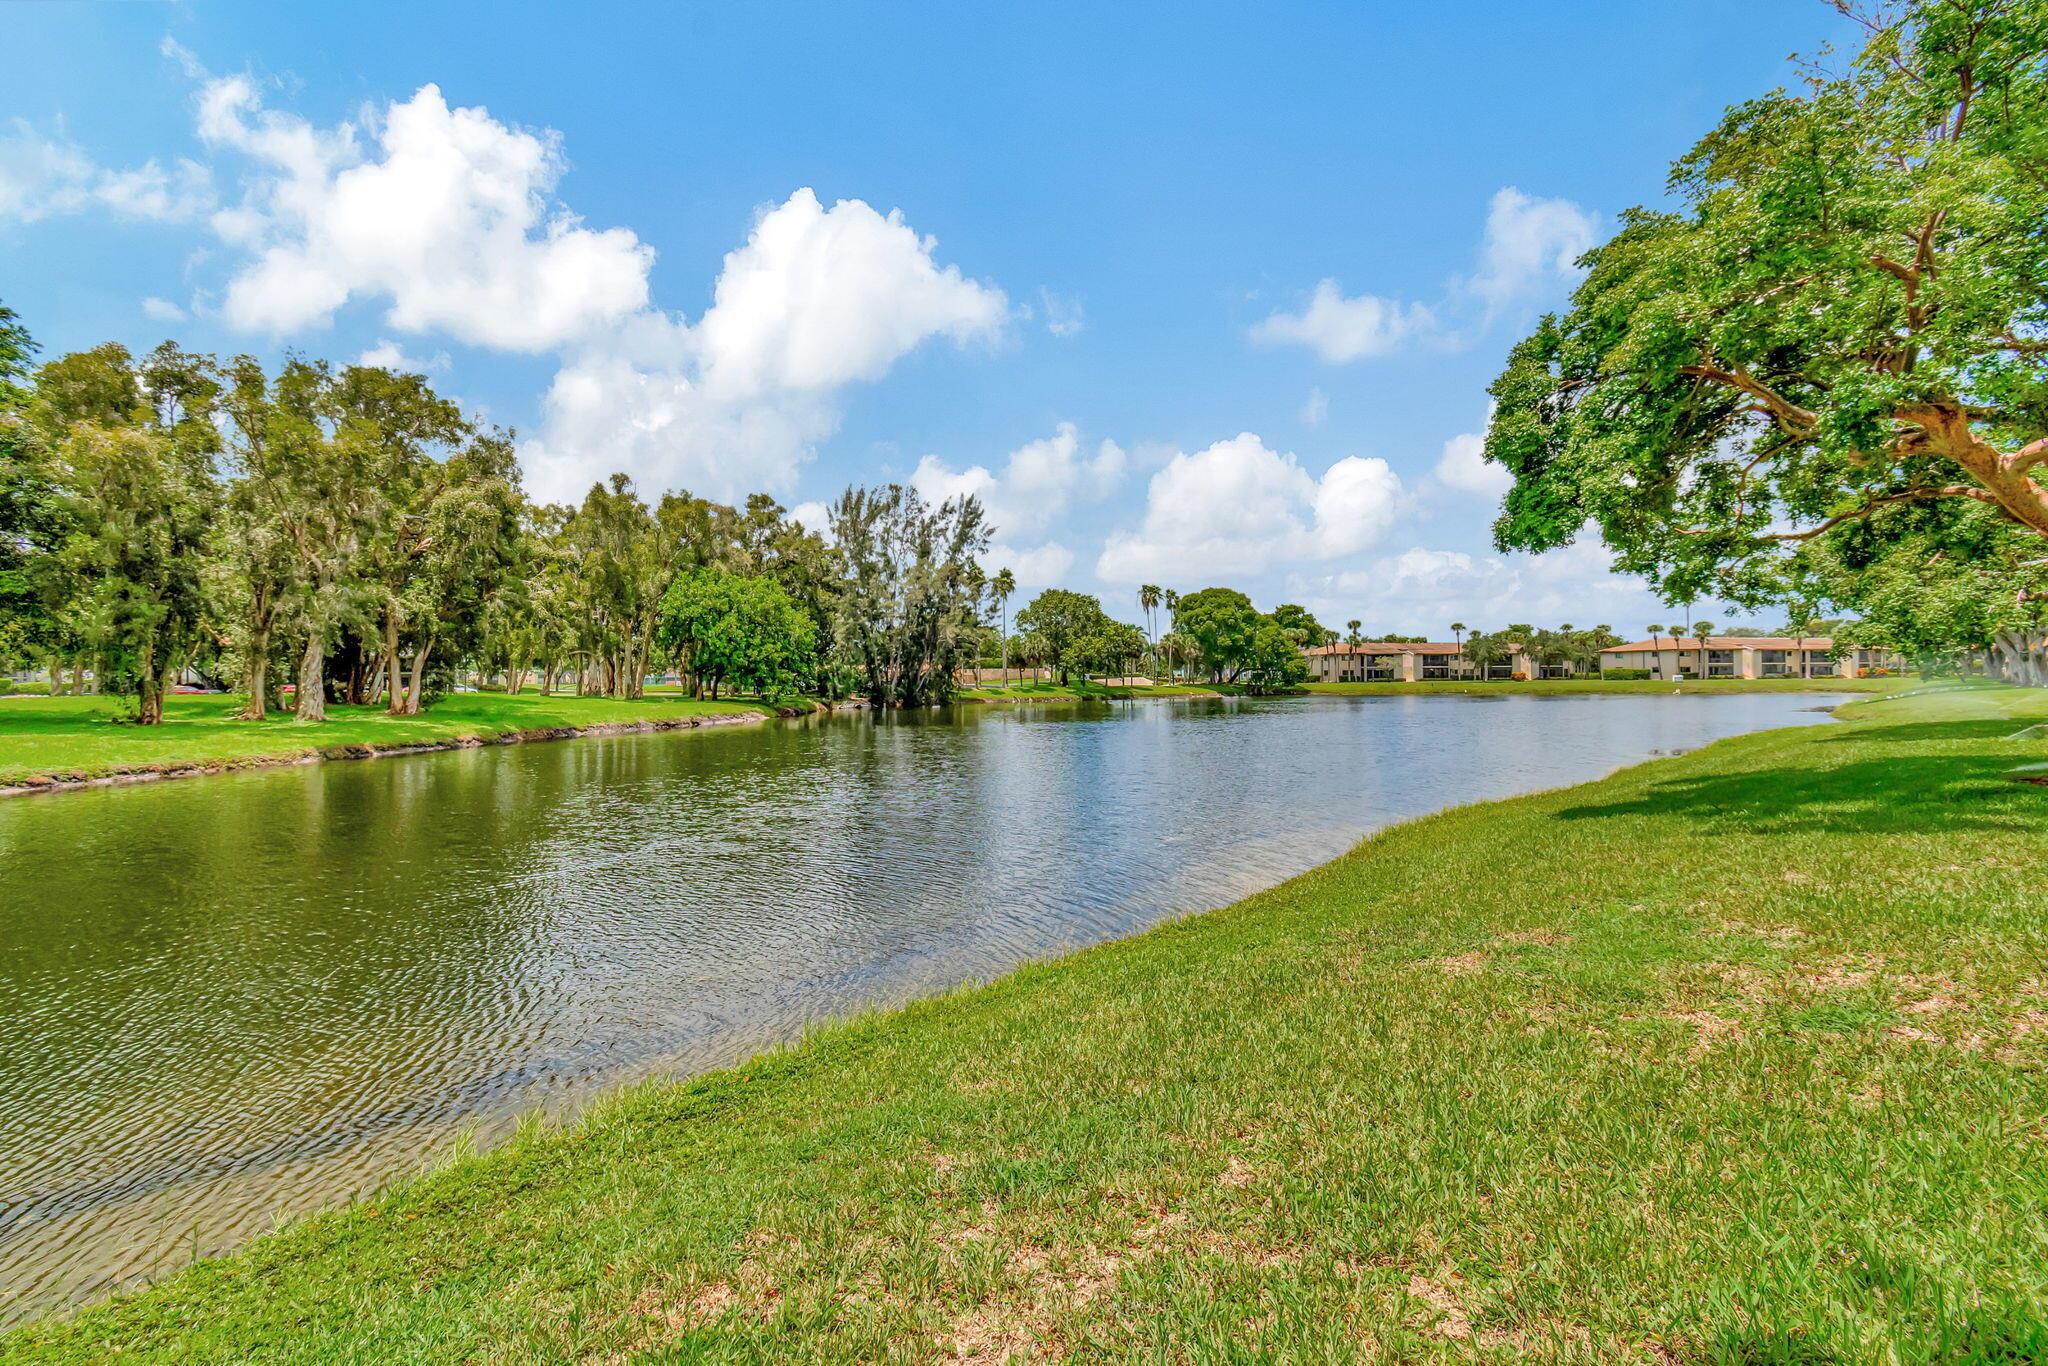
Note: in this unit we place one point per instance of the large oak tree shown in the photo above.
(1844, 313)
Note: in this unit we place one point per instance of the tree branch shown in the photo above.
(1793, 418)
(1918, 495)
(2026, 457)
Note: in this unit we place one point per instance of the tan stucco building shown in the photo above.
(1743, 657)
(1407, 661)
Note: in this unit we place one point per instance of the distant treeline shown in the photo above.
(347, 534)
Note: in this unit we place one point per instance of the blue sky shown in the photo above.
(1071, 258)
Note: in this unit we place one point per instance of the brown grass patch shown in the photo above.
(1708, 1028)
(1451, 1320)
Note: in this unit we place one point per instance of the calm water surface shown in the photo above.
(234, 999)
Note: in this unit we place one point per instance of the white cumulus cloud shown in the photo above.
(1039, 481)
(1238, 507)
(389, 355)
(1531, 247)
(818, 298)
(1341, 328)
(162, 310)
(43, 177)
(1528, 250)
(815, 300)
(448, 218)
(813, 517)
(1043, 566)
(445, 215)
(1422, 590)
(1463, 467)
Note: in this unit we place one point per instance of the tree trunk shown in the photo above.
(396, 706)
(313, 679)
(257, 682)
(78, 688)
(416, 689)
(150, 708)
(547, 680)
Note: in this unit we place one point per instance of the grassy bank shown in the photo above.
(87, 737)
(1740, 1056)
(1573, 687)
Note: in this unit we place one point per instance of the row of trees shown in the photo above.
(347, 534)
(1216, 633)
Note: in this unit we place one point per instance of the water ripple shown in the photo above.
(229, 1001)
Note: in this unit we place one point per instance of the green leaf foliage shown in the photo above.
(1844, 313)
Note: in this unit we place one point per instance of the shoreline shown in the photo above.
(434, 1189)
(58, 782)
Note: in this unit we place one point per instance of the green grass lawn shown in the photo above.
(1567, 687)
(1740, 1056)
(89, 737)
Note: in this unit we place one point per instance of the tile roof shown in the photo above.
(1391, 647)
(1725, 643)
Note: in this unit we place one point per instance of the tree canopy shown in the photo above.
(1844, 315)
(737, 629)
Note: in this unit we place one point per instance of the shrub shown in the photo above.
(32, 688)
(1626, 675)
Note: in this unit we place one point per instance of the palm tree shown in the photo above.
(1458, 630)
(1813, 626)
(1001, 588)
(1148, 603)
(1701, 630)
(1485, 651)
(1171, 601)
(1656, 630)
(1353, 627)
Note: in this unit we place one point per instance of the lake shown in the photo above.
(233, 999)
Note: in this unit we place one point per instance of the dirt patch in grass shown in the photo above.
(1708, 1028)
(1449, 1317)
